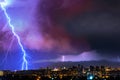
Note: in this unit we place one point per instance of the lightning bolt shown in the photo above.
(63, 58)
(25, 62)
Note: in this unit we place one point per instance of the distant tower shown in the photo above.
(63, 58)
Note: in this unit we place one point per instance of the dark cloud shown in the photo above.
(97, 21)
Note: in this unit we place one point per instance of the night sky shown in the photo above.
(49, 29)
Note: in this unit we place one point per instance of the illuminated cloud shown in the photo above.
(85, 56)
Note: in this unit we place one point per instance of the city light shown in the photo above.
(91, 77)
